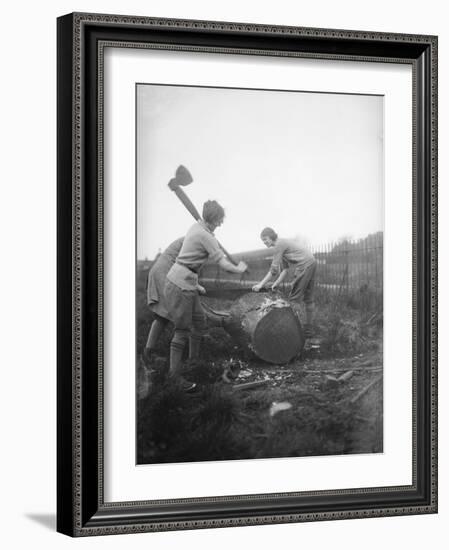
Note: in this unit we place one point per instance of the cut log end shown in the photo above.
(268, 326)
(278, 336)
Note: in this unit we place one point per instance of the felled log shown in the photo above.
(219, 283)
(266, 325)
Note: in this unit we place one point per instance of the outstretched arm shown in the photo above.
(263, 282)
(279, 280)
(227, 266)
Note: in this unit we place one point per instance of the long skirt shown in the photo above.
(185, 308)
(155, 286)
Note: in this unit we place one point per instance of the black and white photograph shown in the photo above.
(247, 275)
(259, 273)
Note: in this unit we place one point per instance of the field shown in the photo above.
(326, 401)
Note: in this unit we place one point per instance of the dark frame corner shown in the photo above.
(80, 507)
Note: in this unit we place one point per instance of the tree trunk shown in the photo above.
(267, 325)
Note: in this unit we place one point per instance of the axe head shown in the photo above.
(182, 178)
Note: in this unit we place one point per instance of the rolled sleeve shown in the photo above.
(212, 248)
(277, 265)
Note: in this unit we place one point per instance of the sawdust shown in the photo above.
(270, 303)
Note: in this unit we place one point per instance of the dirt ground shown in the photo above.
(340, 399)
(327, 401)
(249, 409)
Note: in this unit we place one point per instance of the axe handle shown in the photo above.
(191, 208)
(187, 202)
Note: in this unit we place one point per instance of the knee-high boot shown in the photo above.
(176, 351)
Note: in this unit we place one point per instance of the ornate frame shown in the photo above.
(81, 507)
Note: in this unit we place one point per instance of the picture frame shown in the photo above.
(81, 506)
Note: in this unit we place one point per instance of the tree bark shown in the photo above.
(266, 324)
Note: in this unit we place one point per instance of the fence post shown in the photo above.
(347, 268)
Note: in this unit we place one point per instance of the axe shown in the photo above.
(181, 179)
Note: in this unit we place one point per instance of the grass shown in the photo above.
(179, 427)
(349, 324)
(218, 423)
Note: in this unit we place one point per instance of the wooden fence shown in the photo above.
(351, 265)
(347, 269)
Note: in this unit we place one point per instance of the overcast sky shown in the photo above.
(310, 165)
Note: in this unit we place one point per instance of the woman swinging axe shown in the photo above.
(182, 291)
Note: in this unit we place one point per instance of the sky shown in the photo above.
(308, 164)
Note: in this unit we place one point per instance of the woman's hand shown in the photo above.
(201, 289)
(256, 288)
(242, 267)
